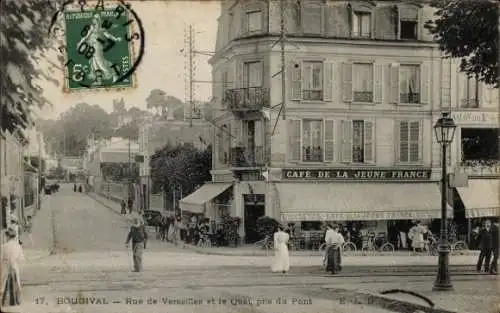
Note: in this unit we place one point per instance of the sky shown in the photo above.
(163, 64)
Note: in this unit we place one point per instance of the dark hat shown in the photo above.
(11, 233)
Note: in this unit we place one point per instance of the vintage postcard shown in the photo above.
(251, 156)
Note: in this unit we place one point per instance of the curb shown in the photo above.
(107, 206)
(385, 302)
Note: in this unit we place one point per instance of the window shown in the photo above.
(363, 82)
(312, 81)
(470, 97)
(357, 141)
(254, 21)
(224, 138)
(408, 29)
(361, 24)
(312, 140)
(252, 75)
(409, 84)
(224, 82)
(311, 18)
(409, 141)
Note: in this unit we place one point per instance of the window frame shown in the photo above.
(357, 15)
(469, 102)
(418, 81)
(248, 13)
(322, 139)
(364, 141)
(418, 20)
(246, 73)
(311, 80)
(409, 142)
(371, 64)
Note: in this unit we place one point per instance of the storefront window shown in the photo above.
(480, 145)
(311, 225)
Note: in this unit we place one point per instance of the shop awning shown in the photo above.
(359, 201)
(195, 202)
(481, 198)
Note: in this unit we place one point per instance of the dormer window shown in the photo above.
(361, 20)
(361, 24)
(254, 21)
(408, 22)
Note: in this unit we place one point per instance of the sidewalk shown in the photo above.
(112, 205)
(42, 233)
(467, 296)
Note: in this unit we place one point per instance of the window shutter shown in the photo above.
(259, 136)
(403, 141)
(394, 83)
(346, 137)
(378, 82)
(295, 83)
(369, 138)
(347, 82)
(485, 95)
(294, 140)
(414, 139)
(424, 82)
(329, 145)
(236, 132)
(240, 70)
(327, 81)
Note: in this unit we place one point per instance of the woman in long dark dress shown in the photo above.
(12, 257)
(334, 241)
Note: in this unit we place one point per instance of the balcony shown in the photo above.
(244, 100)
(244, 157)
(409, 98)
(480, 168)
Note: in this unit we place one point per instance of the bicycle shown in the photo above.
(347, 246)
(204, 241)
(266, 243)
(372, 246)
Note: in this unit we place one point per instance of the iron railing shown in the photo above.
(245, 157)
(246, 99)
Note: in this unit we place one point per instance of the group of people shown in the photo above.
(77, 188)
(332, 259)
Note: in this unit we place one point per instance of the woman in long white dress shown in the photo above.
(12, 256)
(281, 256)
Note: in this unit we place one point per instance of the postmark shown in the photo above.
(103, 45)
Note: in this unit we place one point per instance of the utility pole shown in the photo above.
(191, 76)
(283, 66)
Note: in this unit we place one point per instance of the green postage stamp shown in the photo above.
(99, 48)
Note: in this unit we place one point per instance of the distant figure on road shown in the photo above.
(416, 235)
(124, 207)
(74, 187)
(494, 263)
(281, 256)
(28, 227)
(80, 188)
(139, 238)
(12, 256)
(130, 204)
(334, 241)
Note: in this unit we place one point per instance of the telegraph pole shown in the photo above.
(283, 66)
(39, 198)
(189, 53)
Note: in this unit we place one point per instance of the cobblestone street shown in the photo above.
(90, 260)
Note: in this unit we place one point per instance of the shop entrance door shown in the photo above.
(254, 209)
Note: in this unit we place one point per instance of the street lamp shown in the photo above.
(444, 131)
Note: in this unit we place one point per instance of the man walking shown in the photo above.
(139, 237)
(130, 204)
(495, 248)
(486, 246)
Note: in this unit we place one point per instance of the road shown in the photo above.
(91, 261)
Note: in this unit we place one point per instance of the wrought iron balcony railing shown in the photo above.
(409, 98)
(246, 99)
(246, 157)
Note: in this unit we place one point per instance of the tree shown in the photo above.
(468, 29)
(24, 41)
(180, 166)
(157, 100)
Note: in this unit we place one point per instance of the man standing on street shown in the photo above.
(495, 248)
(486, 246)
(139, 238)
(130, 204)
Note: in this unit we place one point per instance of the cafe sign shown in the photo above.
(475, 117)
(357, 174)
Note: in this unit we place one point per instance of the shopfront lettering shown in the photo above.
(354, 174)
(475, 117)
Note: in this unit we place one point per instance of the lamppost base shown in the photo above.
(442, 287)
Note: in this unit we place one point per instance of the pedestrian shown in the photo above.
(80, 188)
(334, 241)
(14, 224)
(139, 238)
(486, 246)
(12, 256)
(281, 256)
(416, 235)
(495, 247)
(74, 187)
(28, 228)
(124, 207)
(130, 204)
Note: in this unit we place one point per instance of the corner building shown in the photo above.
(363, 90)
